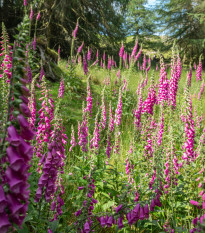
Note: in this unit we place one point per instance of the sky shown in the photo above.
(151, 2)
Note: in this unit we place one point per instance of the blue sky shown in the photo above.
(151, 2)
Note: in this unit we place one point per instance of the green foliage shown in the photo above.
(184, 21)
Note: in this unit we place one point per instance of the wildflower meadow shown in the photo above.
(116, 144)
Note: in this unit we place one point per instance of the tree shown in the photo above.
(183, 20)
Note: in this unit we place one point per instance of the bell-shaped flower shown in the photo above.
(25, 110)
(3, 201)
(25, 91)
(14, 181)
(16, 161)
(110, 221)
(146, 211)
(4, 223)
(22, 121)
(157, 201)
(86, 227)
(25, 150)
(141, 216)
(120, 223)
(102, 221)
(117, 209)
(137, 208)
(14, 205)
(14, 138)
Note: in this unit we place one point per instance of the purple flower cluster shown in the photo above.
(83, 134)
(72, 142)
(129, 167)
(178, 67)
(38, 16)
(103, 113)
(111, 120)
(149, 103)
(32, 106)
(199, 71)
(139, 212)
(109, 65)
(138, 55)
(89, 54)
(189, 76)
(46, 116)
(109, 147)
(87, 208)
(138, 112)
(61, 89)
(94, 142)
(200, 204)
(31, 13)
(161, 130)
(167, 227)
(53, 164)
(14, 187)
(121, 51)
(144, 63)
(85, 66)
(75, 31)
(134, 50)
(188, 146)
(124, 85)
(163, 84)
(89, 100)
(80, 48)
(173, 87)
(118, 111)
(6, 52)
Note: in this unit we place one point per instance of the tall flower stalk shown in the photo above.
(16, 151)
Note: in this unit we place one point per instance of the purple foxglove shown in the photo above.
(141, 214)
(14, 138)
(16, 161)
(80, 48)
(157, 201)
(118, 111)
(102, 221)
(86, 227)
(146, 211)
(3, 201)
(117, 209)
(85, 66)
(110, 221)
(77, 213)
(152, 205)
(196, 203)
(31, 13)
(120, 223)
(4, 223)
(38, 16)
(25, 110)
(75, 31)
(15, 182)
(137, 208)
(134, 50)
(121, 51)
(14, 205)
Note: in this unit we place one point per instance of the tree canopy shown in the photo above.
(105, 23)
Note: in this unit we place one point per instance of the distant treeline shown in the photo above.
(106, 23)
